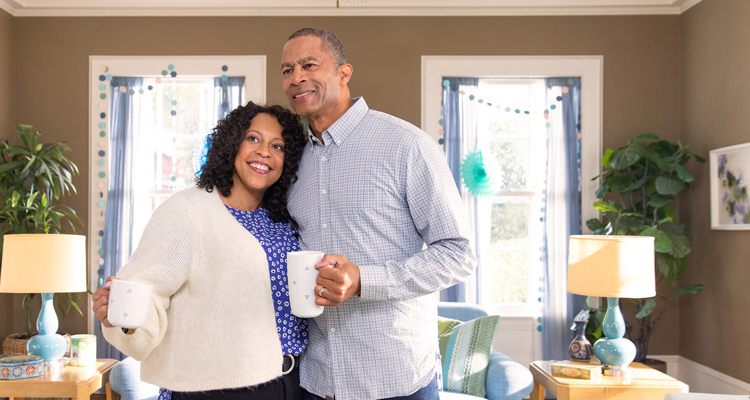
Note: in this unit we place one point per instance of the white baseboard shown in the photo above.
(700, 378)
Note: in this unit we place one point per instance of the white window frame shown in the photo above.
(253, 68)
(521, 340)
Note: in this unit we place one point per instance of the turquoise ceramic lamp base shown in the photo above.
(614, 351)
(47, 344)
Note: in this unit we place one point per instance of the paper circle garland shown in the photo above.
(479, 176)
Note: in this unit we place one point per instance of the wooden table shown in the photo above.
(75, 382)
(646, 384)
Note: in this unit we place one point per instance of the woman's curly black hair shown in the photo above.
(225, 141)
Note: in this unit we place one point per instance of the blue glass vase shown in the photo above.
(580, 349)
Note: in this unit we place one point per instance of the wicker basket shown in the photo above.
(15, 344)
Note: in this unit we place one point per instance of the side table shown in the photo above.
(646, 384)
(77, 383)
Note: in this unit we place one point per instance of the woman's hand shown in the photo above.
(101, 302)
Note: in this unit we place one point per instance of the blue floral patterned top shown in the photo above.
(277, 239)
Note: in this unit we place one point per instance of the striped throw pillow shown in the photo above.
(465, 348)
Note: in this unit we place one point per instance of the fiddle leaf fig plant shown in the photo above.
(640, 182)
(32, 175)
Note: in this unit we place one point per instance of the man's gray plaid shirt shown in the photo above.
(376, 192)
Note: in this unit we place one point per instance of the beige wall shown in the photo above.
(641, 64)
(716, 86)
(6, 131)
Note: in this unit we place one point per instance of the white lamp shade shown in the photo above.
(43, 263)
(611, 266)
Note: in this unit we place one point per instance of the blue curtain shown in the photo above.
(456, 142)
(227, 94)
(559, 306)
(117, 234)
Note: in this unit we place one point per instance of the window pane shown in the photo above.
(512, 157)
(510, 223)
(182, 104)
(176, 162)
(508, 277)
(509, 118)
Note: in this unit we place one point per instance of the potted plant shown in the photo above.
(640, 181)
(32, 176)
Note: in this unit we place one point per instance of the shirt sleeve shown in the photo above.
(436, 209)
(163, 259)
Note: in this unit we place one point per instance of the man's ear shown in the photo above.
(345, 73)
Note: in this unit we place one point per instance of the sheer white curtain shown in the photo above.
(555, 329)
(563, 214)
(460, 137)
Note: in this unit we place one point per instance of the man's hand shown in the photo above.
(338, 283)
(101, 302)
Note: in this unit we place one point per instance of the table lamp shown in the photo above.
(46, 264)
(612, 267)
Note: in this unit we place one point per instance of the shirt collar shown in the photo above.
(344, 126)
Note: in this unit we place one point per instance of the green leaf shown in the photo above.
(660, 200)
(594, 224)
(692, 289)
(626, 156)
(603, 189)
(672, 268)
(643, 137)
(648, 307)
(662, 243)
(605, 207)
(680, 239)
(619, 183)
(681, 246)
(607, 156)
(4, 167)
(683, 174)
(666, 185)
(699, 158)
(648, 231)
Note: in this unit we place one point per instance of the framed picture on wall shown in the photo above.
(730, 200)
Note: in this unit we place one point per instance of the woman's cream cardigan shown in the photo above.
(211, 324)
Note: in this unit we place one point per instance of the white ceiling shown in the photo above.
(28, 8)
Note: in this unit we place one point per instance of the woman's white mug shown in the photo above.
(301, 274)
(128, 303)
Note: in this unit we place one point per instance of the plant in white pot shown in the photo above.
(32, 177)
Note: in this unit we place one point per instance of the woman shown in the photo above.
(219, 324)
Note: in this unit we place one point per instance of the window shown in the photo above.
(167, 106)
(169, 147)
(509, 232)
(506, 225)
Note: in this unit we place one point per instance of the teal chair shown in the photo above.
(506, 379)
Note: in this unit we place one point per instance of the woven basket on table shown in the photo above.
(15, 345)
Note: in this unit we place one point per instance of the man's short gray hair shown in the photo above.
(331, 43)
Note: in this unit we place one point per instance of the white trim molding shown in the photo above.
(81, 8)
(701, 378)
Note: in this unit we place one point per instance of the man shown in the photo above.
(374, 189)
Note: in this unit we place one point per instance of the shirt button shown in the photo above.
(324, 191)
(323, 158)
(333, 329)
(325, 225)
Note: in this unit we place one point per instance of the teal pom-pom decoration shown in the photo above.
(478, 175)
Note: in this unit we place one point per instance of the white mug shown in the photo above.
(128, 303)
(301, 275)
